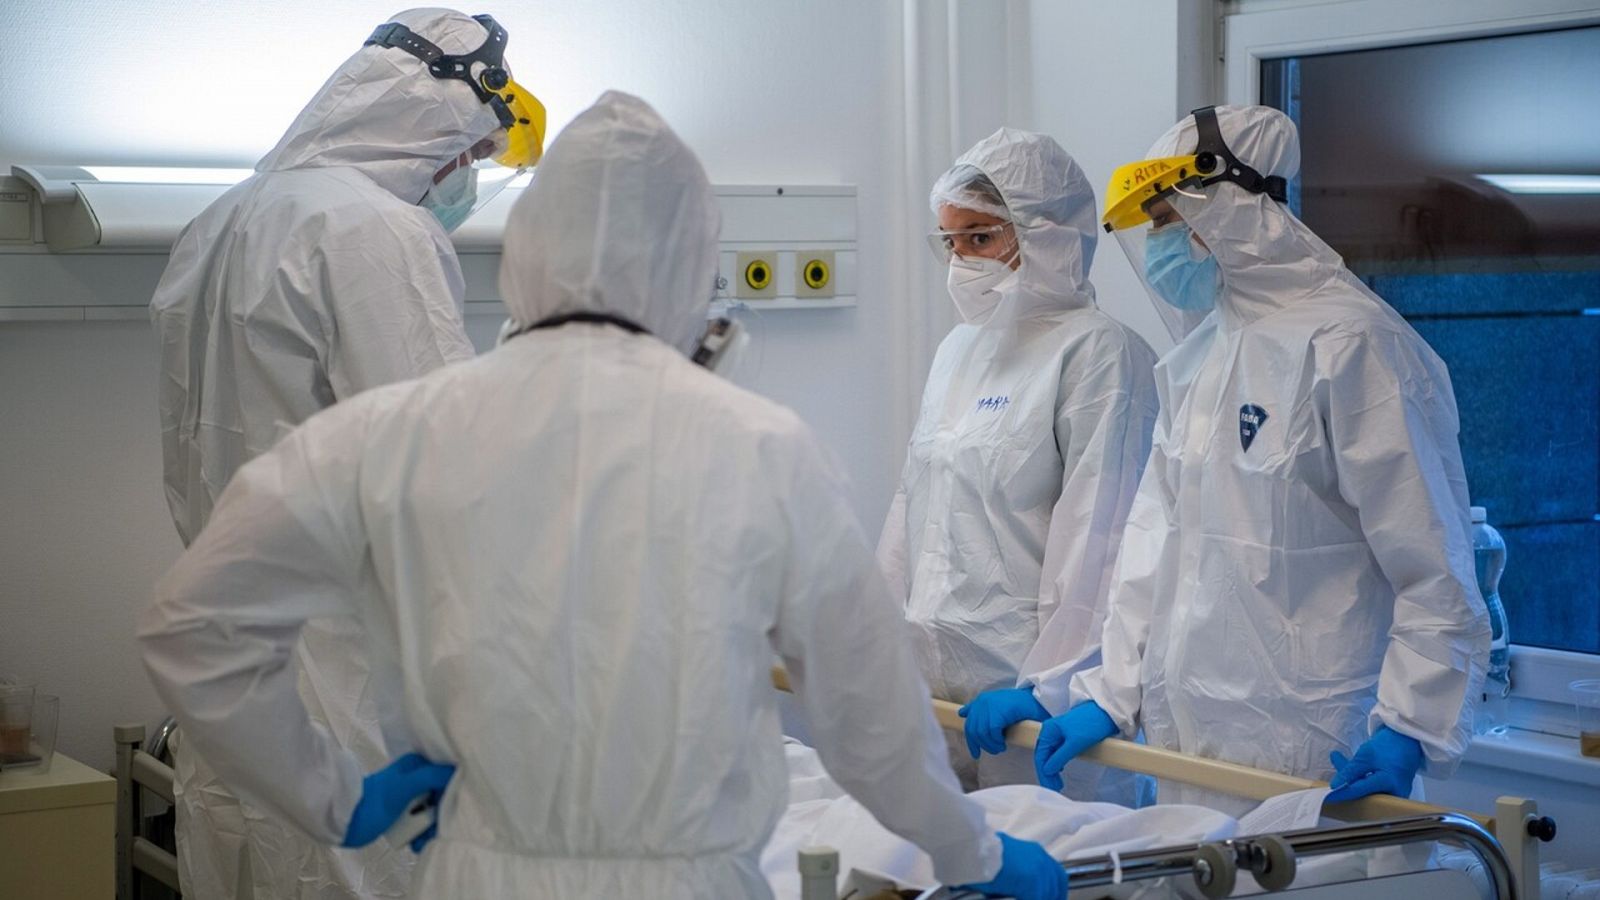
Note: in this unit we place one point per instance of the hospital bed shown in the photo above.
(1506, 843)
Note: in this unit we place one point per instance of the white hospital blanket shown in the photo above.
(820, 813)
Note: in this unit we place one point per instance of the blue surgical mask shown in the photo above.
(452, 199)
(1175, 274)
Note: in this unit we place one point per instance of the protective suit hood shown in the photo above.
(620, 219)
(1053, 207)
(382, 112)
(1269, 259)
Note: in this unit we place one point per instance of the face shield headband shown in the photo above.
(1134, 187)
(490, 80)
(1212, 149)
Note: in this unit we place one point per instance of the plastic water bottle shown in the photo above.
(1489, 549)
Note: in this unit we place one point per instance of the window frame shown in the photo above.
(1254, 32)
(1312, 29)
(1540, 698)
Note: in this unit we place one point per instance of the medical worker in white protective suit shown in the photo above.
(1296, 588)
(577, 556)
(1035, 422)
(322, 275)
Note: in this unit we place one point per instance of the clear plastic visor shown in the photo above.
(1171, 262)
(489, 176)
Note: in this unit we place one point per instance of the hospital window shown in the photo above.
(1461, 182)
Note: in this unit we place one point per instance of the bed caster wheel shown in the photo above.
(1272, 862)
(1215, 871)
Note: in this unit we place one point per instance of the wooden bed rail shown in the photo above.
(1228, 778)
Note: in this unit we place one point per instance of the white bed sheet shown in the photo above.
(820, 812)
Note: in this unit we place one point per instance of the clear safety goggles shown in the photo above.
(973, 242)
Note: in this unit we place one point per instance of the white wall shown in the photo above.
(811, 93)
(84, 529)
(802, 93)
(1108, 79)
(764, 92)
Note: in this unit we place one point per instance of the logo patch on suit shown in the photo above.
(994, 403)
(1251, 418)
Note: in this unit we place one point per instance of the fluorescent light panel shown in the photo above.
(1545, 184)
(166, 175)
(174, 175)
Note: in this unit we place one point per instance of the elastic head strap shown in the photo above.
(491, 54)
(1217, 163)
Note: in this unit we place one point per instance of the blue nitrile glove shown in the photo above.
(992, 712)
(1386, 764)
(1067, 735)
(386, 795)
(1027, 872)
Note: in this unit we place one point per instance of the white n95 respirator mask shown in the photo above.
(974, 285)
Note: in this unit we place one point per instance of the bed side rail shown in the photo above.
(138, 771)
(1516, 823)
(1218, 867)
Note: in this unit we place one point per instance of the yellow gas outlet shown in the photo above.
(757, 276)
(813, 274)
(816, 274)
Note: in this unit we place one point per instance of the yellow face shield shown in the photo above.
(1143, 204)
(525, 134)
(1175, 263)
(1136, 185)
(521, 115)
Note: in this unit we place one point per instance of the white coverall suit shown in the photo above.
(1024, 461)
(313, 280)
(1297, 569)
(576, 557)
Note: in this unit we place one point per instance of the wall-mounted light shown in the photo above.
(166, 175)
(127, 207)
(179, 175)
(144, 207)
(1545, 184)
